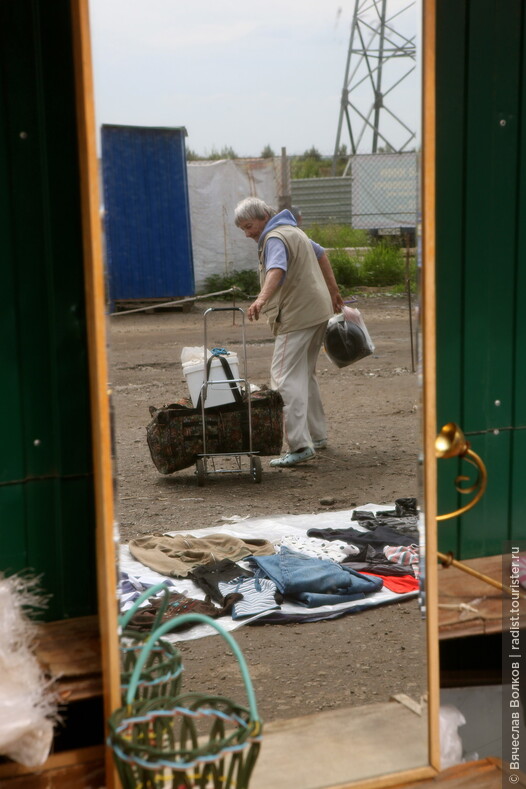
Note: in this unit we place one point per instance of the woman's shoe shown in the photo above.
(293, 458)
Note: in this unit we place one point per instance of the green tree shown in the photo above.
(267, 153)
(311, 164)
(305, 168)
(312, 153)
(226, 152)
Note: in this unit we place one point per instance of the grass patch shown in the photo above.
(381, 264)
(347, 269)
(334, 236)
(246, 280)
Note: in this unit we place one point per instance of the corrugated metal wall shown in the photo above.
(147, 214)
(481, 262)
(380, 191)
(323, 200)
(47, 521)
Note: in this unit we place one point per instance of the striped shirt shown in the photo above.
(258, 595)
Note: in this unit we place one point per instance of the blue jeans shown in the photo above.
(314, 582)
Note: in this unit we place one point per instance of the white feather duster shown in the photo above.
(28, 704)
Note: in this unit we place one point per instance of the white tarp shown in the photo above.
(214, 189)
(272, 529)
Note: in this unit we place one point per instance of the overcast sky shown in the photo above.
(236, 74)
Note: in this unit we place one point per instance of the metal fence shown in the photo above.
(380, 192)
(323, 200)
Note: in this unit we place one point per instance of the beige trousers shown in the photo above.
(293, 374)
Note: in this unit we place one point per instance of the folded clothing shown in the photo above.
(403, 519)
(401, 584)
(314, 582)
(177, 555)
(408, 556)
(380, 536)
(337, 550)
(256, 596)
(379, 566)
(209, 576)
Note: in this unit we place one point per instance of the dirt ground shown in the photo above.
(372, 457)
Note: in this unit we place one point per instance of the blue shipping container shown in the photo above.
(146, 213)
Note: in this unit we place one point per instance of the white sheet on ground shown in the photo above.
(218, 245)
(273, 529)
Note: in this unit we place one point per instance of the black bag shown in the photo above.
(347, 339)
(175, 433)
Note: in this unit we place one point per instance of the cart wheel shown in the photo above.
(255, 468)
(200, 471)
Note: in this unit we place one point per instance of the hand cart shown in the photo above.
(206, 461)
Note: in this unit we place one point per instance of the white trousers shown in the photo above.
(293, 374)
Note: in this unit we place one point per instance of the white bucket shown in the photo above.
(217, 393)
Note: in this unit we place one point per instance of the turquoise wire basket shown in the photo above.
(162, 671)
(186, 741)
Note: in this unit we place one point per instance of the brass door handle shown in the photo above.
(450, 443)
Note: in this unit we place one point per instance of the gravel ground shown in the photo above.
(372, 457)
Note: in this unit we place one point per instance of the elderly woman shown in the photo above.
(298, 296)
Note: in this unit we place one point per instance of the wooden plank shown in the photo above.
(69, 650)
(70, 647)
(482, 774)
(77, 689)
(81, 775)
(98, 364)
(428, 318)
(468, 606)
(79, 762)
(470, 678)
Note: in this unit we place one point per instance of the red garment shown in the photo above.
(397, 583)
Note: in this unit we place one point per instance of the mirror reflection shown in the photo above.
(354, 665)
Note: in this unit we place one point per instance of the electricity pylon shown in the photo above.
(381, 56)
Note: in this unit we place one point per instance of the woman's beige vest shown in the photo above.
(303, 299)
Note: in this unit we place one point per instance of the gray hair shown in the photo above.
(252, 208)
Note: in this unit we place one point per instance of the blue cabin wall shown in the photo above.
(146, 213)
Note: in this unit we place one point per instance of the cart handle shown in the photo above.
(181, 620)
(223, 309)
